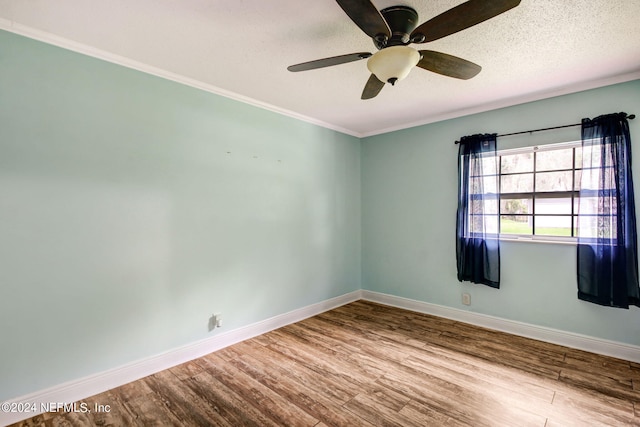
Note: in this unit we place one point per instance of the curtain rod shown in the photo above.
(630, 117)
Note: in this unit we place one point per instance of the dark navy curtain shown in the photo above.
(607, 240)
(477, 227)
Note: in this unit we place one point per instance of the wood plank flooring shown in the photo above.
(366, 364)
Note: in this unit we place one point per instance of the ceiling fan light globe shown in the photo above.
(393, 62)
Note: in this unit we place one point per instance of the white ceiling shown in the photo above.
(242, 48)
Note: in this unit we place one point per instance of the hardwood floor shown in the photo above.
(366, 364)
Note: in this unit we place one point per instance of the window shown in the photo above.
(539, 190)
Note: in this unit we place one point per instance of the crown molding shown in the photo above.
(113, 58)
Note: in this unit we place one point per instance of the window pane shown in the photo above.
(554, 181)
(491, 224)
(592, 155)
(556, 174)
(595, 205)
(593, 179)
(578, 157)
(515, 206)
(587, 206)
(597, 226)
(490, 165)
(517, 183)
(553, 206)
(484, 185)
(487, 206)
(553, 225)
(516, 163)
(483, 224)
(521, 224)
(483, 166)
(554, 159)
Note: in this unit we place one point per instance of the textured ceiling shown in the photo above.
(242, 48)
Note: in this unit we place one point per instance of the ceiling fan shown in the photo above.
(394, 28)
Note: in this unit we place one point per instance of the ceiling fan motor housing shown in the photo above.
(402, 20)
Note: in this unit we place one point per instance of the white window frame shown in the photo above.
(567, 240)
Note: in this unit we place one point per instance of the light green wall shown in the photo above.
(133, 208)
(409, 192)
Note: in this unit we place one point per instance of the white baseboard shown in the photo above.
(83, 388)
(555, 336)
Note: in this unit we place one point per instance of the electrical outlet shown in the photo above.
(215, 321)
(212, 323)
(466, 298)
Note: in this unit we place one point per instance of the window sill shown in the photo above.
(570, 241)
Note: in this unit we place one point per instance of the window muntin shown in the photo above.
(540, 191)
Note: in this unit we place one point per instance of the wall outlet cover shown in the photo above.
(466, 298)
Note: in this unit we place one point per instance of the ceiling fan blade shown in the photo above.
(372, 88)
(366, 16)
(328, 62)
(461, 17)
(448, 65)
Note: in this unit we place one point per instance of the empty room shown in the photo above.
(327, 213)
